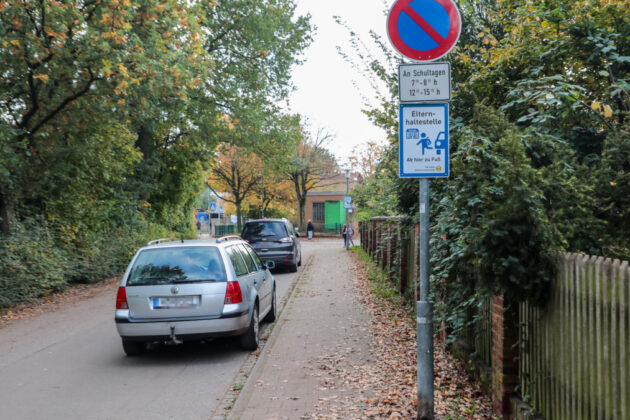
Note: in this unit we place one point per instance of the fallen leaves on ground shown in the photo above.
(385, 386)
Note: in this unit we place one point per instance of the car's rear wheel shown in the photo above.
(249, 340)
(293, 267)
(273, 312)
(133, 348)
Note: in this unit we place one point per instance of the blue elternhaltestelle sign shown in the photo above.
(423, 141)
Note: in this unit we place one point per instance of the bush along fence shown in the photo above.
(567, 360)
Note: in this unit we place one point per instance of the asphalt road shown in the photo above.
(69, 364)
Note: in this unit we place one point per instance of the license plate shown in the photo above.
(176, 302)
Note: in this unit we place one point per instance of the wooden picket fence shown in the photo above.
(574, 354)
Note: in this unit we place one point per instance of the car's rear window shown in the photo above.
(264, 231)
(177, 265)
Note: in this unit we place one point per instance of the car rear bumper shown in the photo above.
(287, 258)
(184, 330)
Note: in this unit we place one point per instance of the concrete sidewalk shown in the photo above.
(321, 326)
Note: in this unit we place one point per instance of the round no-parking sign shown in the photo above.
(423, 30)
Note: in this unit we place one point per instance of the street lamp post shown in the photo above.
(347, 240)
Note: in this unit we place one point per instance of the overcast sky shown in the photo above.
(325, 92)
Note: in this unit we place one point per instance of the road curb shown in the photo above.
(235, 399)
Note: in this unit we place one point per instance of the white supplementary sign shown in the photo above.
(423, 141)
(429, 82)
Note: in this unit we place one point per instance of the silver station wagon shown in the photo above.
(176, 291)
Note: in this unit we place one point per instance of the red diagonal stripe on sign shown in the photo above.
(423, 24)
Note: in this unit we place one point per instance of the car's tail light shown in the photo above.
(233, 293)
(287, 240)
(121, 299)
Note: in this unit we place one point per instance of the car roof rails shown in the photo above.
(159, 241)
(229, 238)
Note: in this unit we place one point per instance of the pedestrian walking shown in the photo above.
(309, 229)
(344, 233)
(350, 233)
(198, 226)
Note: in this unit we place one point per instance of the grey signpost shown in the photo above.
(424, 154)
(424, 32)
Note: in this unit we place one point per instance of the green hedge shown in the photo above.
(33, 264)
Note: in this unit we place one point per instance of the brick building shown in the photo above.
(324, 206)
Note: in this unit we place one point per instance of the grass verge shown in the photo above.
(381, 286)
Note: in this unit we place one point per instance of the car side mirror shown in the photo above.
(270, 265)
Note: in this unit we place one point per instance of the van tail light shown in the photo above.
(233, 293)
(121, 299)
(287, 240)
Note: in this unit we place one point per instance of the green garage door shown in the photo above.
(335, 215)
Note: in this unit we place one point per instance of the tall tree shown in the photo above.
(312, 166)
(365, 157)
(72, 68)
(241, 52)
(164, 70)
(111, 110)
(51, 60)
(236, 172)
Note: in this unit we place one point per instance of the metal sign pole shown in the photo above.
(424, 311)
(426, 125)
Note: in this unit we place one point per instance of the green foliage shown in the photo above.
(31, 265)
(540, 148)
(613, 193)
(491, 229)
(112, 111)
(34, 263)
(253, 212)
(97, 255)
(373, 196)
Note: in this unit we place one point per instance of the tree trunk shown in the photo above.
(6, 211)
(238, 217)
(143, 142)
(302, 202)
